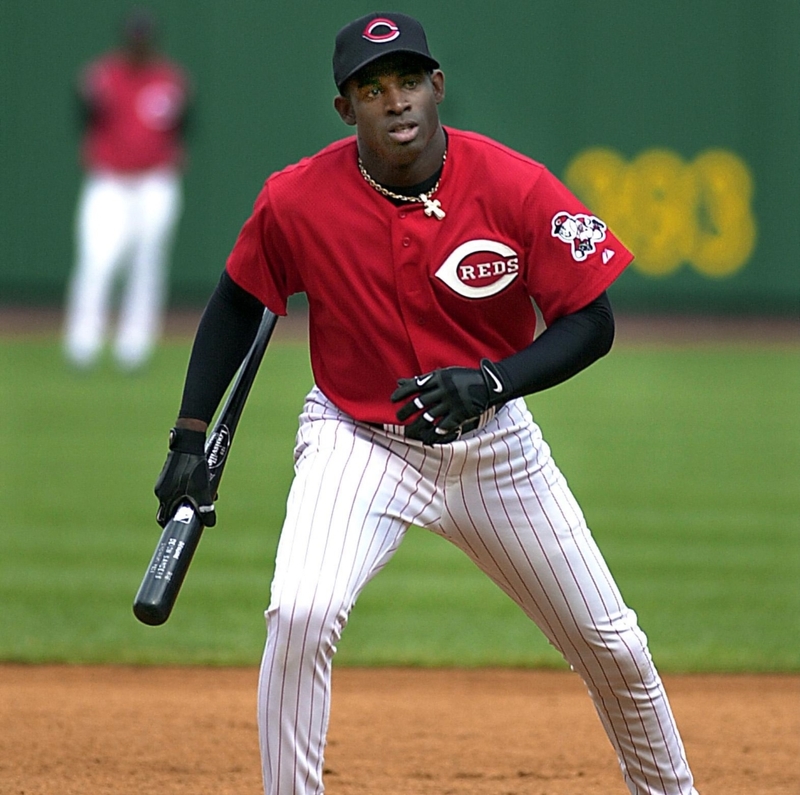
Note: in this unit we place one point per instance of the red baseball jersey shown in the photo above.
(393, 292)
(137, 110)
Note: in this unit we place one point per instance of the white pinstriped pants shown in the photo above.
(498, 496)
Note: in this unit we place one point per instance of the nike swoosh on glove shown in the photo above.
(445, 399)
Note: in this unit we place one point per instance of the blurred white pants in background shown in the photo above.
(124, 232)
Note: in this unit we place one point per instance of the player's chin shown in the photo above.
(403, 151)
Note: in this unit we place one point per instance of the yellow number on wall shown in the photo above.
(669, 212)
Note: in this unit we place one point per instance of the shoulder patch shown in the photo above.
(581, 232)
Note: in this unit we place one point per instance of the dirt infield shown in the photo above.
(73, 730)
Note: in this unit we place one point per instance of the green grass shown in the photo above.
(686, 462)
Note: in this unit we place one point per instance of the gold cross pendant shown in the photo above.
(432, 207)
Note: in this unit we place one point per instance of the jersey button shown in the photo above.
(406, 242)
(403, 214)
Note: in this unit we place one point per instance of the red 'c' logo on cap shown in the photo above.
(381, 30)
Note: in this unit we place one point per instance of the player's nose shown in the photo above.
(396, 100)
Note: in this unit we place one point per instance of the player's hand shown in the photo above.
(447, 398)
(185, 478)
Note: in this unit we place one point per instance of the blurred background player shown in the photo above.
(133, 104)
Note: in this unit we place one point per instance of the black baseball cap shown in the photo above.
(371, 37)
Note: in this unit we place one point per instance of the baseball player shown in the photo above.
(134, 104)
(420, 248)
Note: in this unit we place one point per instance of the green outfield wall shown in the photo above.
(678, 122)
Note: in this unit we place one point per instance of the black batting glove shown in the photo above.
(185, 478)
(446, 399)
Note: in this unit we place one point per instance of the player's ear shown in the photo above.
(437, 80)
(344, 107)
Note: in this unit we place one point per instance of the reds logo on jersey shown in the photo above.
(581, 231)
(479, 268)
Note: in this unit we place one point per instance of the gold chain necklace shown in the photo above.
(433, 207)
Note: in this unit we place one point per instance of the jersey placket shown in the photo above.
(412, 235)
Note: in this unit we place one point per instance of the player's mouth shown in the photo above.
(403, 132)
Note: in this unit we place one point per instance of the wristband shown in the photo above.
(183, 440)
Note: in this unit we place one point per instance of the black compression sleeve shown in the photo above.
(225, 334)
(567, 346)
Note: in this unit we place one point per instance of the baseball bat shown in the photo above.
(179, 539)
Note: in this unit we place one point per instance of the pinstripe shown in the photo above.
(319, 641)
(293, 741)
(554, 519)
(563, 639)
(586, 580)
(579, 579)
(579, 582)
(587, 565)
(597, 566)
(496, 494)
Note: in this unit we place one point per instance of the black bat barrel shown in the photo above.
(164, 576)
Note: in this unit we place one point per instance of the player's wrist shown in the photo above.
(192, 424)
(187, 440)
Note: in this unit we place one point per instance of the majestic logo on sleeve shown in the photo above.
(580, 231)
(479, 268)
